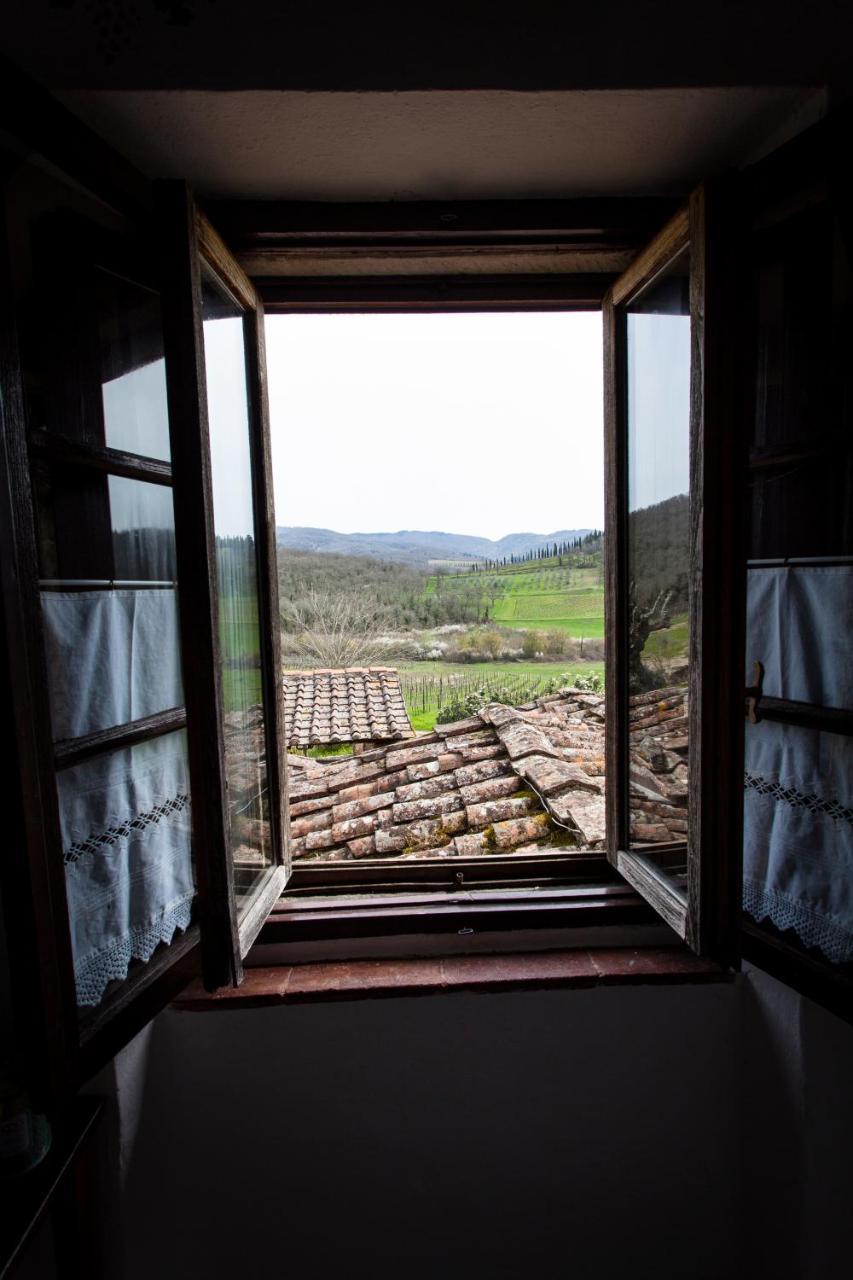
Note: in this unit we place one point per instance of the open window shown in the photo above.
(226, 528)
(140, 590)
(674, 469)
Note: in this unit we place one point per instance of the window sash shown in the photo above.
(189, 245)
(706, 914)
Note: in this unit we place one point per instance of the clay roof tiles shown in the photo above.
(509, 779)
(350, 704)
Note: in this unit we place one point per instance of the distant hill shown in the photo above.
(414, 546)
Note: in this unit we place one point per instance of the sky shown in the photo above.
(658, 407)
(482, 424)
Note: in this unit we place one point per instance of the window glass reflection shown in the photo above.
(237, 582)
(658, 380)
(132, 367)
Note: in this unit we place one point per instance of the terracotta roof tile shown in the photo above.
(355, 704)
(455, 792)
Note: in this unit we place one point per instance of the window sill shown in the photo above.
(362, 979)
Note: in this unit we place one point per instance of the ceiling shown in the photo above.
(449, 44)
(443, 145)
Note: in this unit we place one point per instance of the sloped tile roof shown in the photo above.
(510, 779)
(351, 704)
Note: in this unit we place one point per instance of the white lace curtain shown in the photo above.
(114, 656)
(798, 805)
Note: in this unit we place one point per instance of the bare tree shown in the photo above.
(642, 620)
(336, 628)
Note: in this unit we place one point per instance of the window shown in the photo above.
(673, 502)
(140, 591)
(441, 421)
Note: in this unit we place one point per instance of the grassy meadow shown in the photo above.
(541, 596)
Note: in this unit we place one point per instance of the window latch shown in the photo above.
(754, 693)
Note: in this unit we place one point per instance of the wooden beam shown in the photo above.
(655, 258)
(71, 751)
(433, 293)
(114, 462)
(606, 223)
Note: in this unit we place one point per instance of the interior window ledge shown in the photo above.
(361, 979)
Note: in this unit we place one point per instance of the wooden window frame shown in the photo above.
(189, 245)
(705, 916)
(67, 1043)
(39, 934)
(809, 173)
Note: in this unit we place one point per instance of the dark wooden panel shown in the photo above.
(199, 621)
(486, 913)
(442, 873)
(656, 888)
(657, 255)
(595, 222)
(216, 253)
(718, 478)
(114, 462)
(71, 751)
(805, 715)
(268, 601)
(33, 878)
(615, 580)
(32, 114)
(782, 955)
(433, 293)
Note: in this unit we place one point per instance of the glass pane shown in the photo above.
(112, 657)
(658, 358)
(801, 495)
(113, 653)
(93, 373)
(237, 581)
(142, 517)
(125, 818)
(133, 369)
(97, 528)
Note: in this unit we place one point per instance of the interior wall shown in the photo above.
(797, 1134)
(505, 1135)
(643, 1131)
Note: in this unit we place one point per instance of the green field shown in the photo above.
(428, 685)
(239, 641)
(670, 642)
(542, 596)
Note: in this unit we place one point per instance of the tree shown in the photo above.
(641, 622)
(337, 628)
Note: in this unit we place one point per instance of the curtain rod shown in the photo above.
(814, 562)
(101, 584)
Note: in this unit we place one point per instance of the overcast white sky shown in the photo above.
(467, 423)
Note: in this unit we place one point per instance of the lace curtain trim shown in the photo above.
(112, 964)
(814, 929)
(797, 799)
(119, 830)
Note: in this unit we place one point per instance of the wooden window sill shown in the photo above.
(362, 979)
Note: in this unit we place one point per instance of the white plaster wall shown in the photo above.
(797, 1135)
(700, 1132)
(575, 1133)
